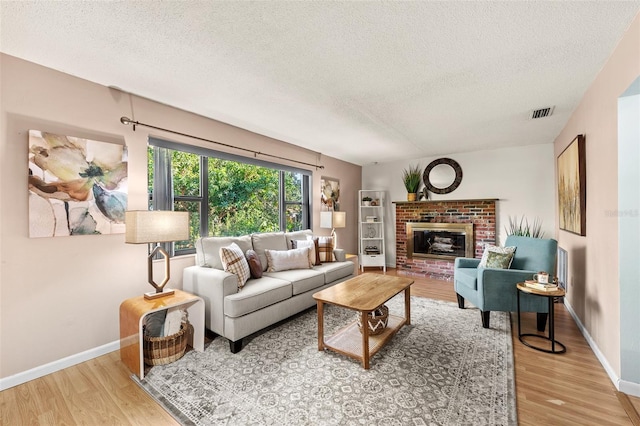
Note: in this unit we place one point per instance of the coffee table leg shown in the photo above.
(365, 339)
(407, 305)
(320, 325)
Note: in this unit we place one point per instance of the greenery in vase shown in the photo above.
(522, 228)
(411, 178)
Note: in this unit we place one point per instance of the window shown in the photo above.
(226, 195)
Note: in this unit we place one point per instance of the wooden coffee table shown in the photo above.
(364, 294)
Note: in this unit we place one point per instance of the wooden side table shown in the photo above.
(550, 295)
(132, 315)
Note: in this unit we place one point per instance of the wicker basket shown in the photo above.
(378, 320)
(163, 350)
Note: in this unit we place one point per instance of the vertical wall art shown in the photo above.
(572, 187)
(76, 186)
(330, 193)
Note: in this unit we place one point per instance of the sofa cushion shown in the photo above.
(467, 277)
(325, 247)
(314, 256)
(335, 270)
(297, 235)
(257, 294)
(233, 261)
(270, 241)
(208, 249)
(255, 267)
(302, 280)
(285, 260)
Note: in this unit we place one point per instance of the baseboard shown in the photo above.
(52, 367)
(633, 388)
(630, 388)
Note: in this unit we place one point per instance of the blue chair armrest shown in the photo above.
(466, 262)
(505, 275)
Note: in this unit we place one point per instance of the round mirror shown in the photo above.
(442, 176)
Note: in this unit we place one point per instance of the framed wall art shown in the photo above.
(76, 186)
(572, 187)
(330, 193)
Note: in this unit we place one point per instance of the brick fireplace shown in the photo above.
(480, 213)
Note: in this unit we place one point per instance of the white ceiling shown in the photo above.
(361, 81)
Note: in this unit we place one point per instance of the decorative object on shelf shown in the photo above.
(425, 194)
(442, 176)
(378, 320)
(330, 193)
(572, 187)
(333, 220)
(154, 227)
(76, 186)
(372, 250)
(375, 203)
(366, 201)
(371, 231)
(523, 229)
(411, 179)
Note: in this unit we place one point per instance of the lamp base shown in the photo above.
(153, 295)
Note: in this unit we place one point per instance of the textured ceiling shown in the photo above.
(361, 81)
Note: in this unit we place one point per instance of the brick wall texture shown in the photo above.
(482, 213)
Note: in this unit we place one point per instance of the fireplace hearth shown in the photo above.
(439, 240)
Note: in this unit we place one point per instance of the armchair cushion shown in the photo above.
(496, 249)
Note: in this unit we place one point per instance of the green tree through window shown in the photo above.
(227, 197)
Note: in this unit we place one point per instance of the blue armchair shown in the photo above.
(495, 289)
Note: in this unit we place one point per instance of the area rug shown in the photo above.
(443, 369)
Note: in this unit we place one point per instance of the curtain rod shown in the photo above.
(126, 121)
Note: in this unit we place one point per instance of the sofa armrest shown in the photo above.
(212, 285)
(340, 255)
(466, 262)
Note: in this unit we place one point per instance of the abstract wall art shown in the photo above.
(572, 187)
(76, 186)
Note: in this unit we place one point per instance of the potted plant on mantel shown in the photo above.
(411, 178)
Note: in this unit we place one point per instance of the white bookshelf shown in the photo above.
(371, 229)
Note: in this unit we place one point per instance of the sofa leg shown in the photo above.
(460, 301)
(235, 346)
(486, 315)
(542, 321)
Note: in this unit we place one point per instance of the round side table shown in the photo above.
(522, 288)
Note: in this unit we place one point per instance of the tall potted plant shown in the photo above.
(411, 178)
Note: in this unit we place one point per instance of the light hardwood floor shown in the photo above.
(568, 389)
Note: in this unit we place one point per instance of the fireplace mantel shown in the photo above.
(472, 200)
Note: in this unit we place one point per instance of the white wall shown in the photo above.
(522, 178)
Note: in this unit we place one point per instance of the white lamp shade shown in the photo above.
(156, 226)
(333, 219)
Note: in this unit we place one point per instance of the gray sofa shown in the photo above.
(263, 301)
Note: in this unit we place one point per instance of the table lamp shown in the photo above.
(153, 227)
(333, 220)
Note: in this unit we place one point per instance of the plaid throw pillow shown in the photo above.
(233, 261)
(325, 249)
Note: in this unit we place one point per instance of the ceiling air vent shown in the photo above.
(541, 113)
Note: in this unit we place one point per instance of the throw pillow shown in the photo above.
(325, 248)
(233, 261)
(495, 249)
(255, 266)
(499, 260)
(284, 260)
(314, 256)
